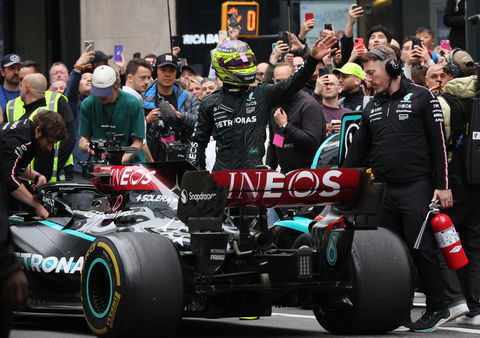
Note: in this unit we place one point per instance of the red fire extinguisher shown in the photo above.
(448, 241)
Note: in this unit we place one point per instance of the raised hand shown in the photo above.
(323, 47)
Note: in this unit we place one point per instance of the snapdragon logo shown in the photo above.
(186, 196)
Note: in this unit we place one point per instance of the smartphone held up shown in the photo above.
(117, 52)
(89, 42)
(309, 16)
(358, 44)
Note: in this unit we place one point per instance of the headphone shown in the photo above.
(453, 66)
(391, 66)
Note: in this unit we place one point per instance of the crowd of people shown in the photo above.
(414, 97)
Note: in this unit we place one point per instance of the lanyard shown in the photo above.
(5, 94)
(109, 125)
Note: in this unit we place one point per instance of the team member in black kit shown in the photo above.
(237, 114)
(296, 129)
(402, 137)
(19, 142)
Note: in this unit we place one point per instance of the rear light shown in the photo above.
(304, 263)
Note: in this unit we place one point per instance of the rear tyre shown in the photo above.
(132, 286)
(304, 240)
(381, 296)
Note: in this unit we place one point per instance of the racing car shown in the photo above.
(148, 244)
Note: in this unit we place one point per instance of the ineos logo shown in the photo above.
(184, 196)
(303, 175)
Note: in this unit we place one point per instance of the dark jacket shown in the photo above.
(187, 104)
(401, 137)
(458, 95)
(454, 17)
(17, 149)
(303, 134)
(237, 119)
(8, 262)
(353, 101)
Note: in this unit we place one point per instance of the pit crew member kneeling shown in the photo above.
(20, 141)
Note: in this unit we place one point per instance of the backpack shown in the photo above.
(464, 140)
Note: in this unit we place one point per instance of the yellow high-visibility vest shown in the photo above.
(15, 110)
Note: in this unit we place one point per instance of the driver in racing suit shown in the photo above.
(237, 114)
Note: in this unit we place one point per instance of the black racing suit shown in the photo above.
(17, 149)
(402, 138)
(16, 152)
(237, 119)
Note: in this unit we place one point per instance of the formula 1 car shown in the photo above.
(148, 244)
(290, 228)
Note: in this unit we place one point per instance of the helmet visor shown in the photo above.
(240, 62)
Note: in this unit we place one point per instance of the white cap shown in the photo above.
(103, 79)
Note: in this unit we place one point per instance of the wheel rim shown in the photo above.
(99, 288)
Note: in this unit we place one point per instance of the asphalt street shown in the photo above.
(284, 323)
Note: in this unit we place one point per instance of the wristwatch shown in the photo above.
(282, 128)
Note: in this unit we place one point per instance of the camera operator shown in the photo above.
(178, 110)
(108, 109)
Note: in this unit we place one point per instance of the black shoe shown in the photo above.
(405, 326)
(430, 320)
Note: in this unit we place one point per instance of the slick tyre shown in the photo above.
(380, 296)
(132, 286)
(304, 240)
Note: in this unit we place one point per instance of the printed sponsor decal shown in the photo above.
(186, 196)
(113, 309)
(332, 248)
(128, 178)
(217, 254)
(151, 198)
(36, 262)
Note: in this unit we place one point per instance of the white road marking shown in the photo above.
(457, 329)
(292, 315)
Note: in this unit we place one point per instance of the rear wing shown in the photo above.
(204, 196)
(302, 187)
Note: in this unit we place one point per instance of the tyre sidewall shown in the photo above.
(104, 252)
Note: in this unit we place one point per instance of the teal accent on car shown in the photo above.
(68, 231)
(297, 223)
(95, 313)
(319, 151)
